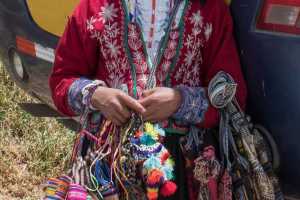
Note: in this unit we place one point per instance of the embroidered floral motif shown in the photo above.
(189, 57)
(108, 12)
(90, 23)
(208, 31)
(197, 19)
(139, 60)
(107, 29)
(111, 30)
(195, 38)
(169, 54)
(114, 49)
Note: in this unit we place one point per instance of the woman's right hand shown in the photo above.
(115, 105)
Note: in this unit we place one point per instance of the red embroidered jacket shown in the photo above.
(101, 43)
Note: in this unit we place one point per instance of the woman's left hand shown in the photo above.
(160, 103)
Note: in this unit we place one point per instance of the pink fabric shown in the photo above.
(76, 192)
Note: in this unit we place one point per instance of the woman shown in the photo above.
(154, 58)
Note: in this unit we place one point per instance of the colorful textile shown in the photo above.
(101, 43)
(80, 93)
(75, 95)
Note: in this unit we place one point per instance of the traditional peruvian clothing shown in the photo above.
(118, 43)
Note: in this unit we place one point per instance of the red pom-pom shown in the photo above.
(164, 156)
(154, 177)
(168, 189)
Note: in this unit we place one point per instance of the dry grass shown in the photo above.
(31, 149)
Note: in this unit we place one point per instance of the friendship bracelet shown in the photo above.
(88, 91)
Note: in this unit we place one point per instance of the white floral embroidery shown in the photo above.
(189, 41)
(132, 33)
(197, 19)
(189, 72)
(107, 13)
(142, 80)
(196, 31)
(189, 57)
(111, 30)
(208, 31)
(138, 57)
(90, 23)
(116, 80)
(114, 49)
(111, 47)
(95, 34)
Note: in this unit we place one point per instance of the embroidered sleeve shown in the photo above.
(80, 93)
(76, 55)
(194, 105)
(220, 54)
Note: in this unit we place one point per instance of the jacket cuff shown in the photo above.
(80, 94)
(193, 106)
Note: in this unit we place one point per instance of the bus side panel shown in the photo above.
(271, 65)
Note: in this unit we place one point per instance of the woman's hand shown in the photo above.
(115, 105)
(160, 103)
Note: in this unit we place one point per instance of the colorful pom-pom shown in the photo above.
(169, 162)
(149, 127)
(138, 134)
(155, 177)
(168, 189)
(147, 139)
(152, 195)
(164, 156)
(152, 163)
(168, 172)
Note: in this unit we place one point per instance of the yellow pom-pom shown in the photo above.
(152, 190)
(149, 129)
(170, 162)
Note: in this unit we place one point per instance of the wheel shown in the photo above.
(271, 144)
(16, 66)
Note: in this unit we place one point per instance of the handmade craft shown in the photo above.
(239, 147)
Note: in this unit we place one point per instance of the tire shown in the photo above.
(11, 69)
(271, 144)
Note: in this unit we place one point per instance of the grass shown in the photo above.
(31, 149)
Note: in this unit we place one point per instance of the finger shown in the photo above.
(125, 112)
(133, 104)
(112, 119)
(146, 102)
(147, 93)
(122, 110)
(150, 113)
(117, 119)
